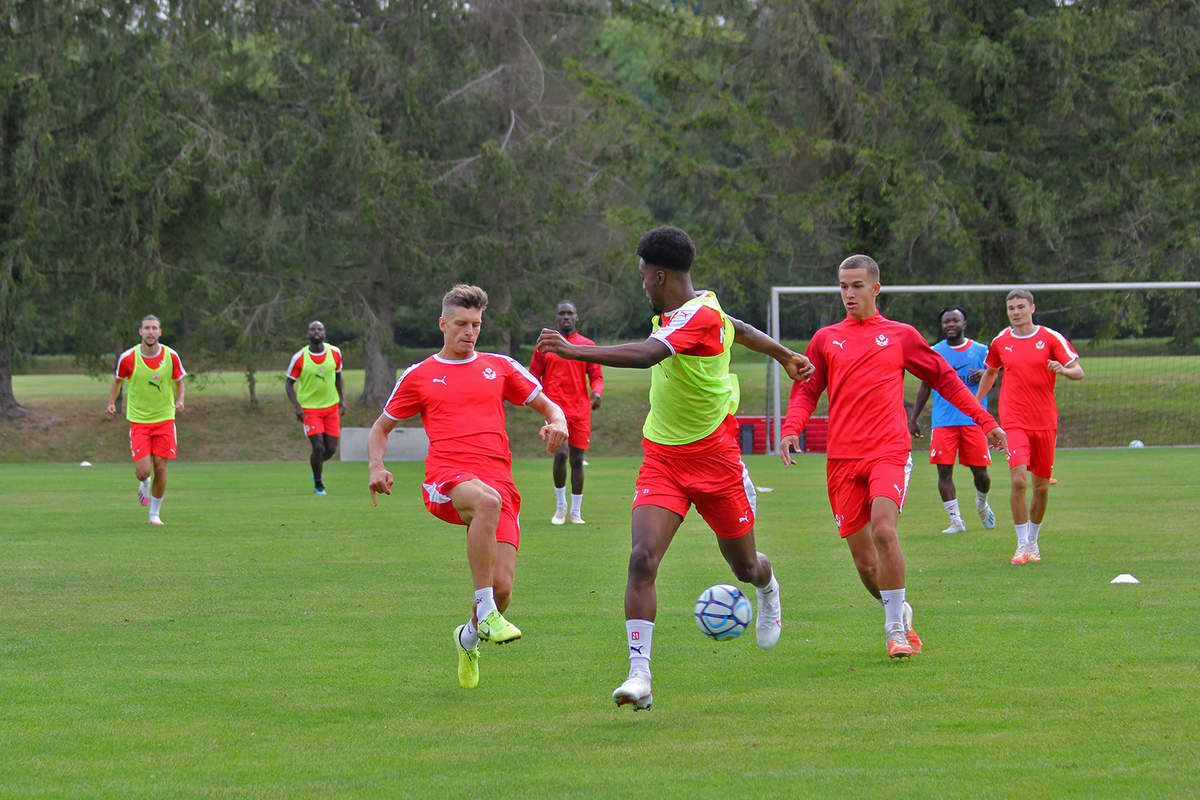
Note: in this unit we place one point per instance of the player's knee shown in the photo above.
(643, 564)
(331, 446)
(487, 504)
(745, 571)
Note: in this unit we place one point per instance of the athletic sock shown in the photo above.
(1032, 529)
(560, 496)
(146, 483)
(485, 602)
(576, 504)
(981, 500)
(639, 633)
(155, 505)
(951, 507)
(469, 638)
(1022, 534)
(892, 601)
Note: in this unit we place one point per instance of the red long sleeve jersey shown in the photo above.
(862, 364)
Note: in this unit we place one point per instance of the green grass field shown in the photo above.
(272, 644)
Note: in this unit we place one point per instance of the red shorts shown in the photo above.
(854, 482)
(579, 430)
(1033, 449)
(322, 420)
(708, 474)
(152, 439)
(436, 491)
(967, 441)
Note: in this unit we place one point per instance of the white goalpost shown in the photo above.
(1070, 296)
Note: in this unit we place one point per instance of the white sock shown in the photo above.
(980, 500)
(146, 483)
(469, 638)
(639, 633)
(1021, 528)
(892, 601)
(771, 588)
(560, 496)
(951, 507)
(485, 602)
(576, 503)
(155, 505)
(1032, 529)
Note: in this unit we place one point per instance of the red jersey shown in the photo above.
(461, 404)
(862, 364)
(125, 363)
(297, 362)
(1027, 385)
(567, 382)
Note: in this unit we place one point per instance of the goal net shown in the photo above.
(1136, 342)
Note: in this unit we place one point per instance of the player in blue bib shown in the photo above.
(954, 433)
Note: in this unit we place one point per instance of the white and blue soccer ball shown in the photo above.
(1137, 443)
(723, 611)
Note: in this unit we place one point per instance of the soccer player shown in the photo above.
(577, 388)
(1032, 357)
(954, 433)
(691, 452)
(156, 392)
(460, 395)
(861, 362)
(314, 388)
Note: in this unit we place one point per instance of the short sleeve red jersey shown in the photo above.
(862, 364)
(125, 363)
(692, 331)
(568, 383)
(1027, 384)
(297, 362)
(461, 404)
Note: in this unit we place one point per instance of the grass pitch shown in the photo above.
(272, 644)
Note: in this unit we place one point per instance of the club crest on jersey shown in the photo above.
(320, 370)
(490, 374)
(881, 340)
(1040, 345)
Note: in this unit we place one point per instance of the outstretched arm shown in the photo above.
(797, 366)
(637, 355)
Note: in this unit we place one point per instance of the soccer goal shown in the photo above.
(1137, 343)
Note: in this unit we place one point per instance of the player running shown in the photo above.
(691, 453)
(460, 395)
(577, 388)
(1032, 357)
(954, 433)
(156, 392)
(861, 362)
(315, 389)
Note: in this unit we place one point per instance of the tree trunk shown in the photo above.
(250, 384)
(9, 407)
(381, 313)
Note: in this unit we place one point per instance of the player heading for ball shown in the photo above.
(314, 388)
(1032, 357)
(954, 433)
(155, 393)
(577, 388)
(861, 361)
(460, 395)
(691, 452)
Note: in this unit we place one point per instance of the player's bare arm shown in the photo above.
(290, 390)
(787, 445)
(179, 393)
(796, 365)
(997, 439)
(986, 383)
(341, 390)
(379, 479)
(110, 410)
(914, 427)
(635, 355)
(1073, 372)
(554, 432)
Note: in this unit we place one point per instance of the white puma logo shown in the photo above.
(441, 380)
(743, 519)
(1008, 348)
(841, 345)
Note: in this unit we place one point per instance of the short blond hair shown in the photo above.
(464, 295)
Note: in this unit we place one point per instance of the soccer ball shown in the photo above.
(1137, 443)
(722, 612)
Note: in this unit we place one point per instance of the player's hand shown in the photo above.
(787, 445)
(551, 341)
(554, 435)
(299, 414)
(110, 410)
(341, 409)
(1055, 366)
(179, 404)
(975, 375)
(997, 439)
(798, 367)
(914, 428)
(380, 480)
(595, 402)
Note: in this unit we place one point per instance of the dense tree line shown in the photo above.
(242, 167)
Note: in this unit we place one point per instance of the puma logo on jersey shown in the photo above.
(441, 380)
(1008, 348)
(881, 340)
(841, 345)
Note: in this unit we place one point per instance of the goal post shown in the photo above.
(1143, 392)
